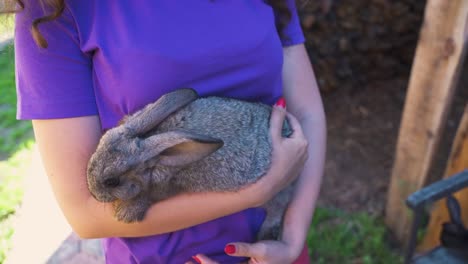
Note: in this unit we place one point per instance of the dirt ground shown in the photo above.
(362, 133)
(362, 51)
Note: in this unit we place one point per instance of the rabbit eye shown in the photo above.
(112, 182)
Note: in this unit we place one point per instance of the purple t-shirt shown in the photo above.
(110, 58)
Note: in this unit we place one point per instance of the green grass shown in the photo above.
(13, 133)
(338, 237)
(15, 150)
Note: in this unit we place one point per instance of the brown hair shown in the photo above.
(57, 7)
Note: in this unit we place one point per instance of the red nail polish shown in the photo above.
(281, 103)
(196, 259)
(230, 249)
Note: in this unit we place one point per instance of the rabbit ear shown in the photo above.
(150, 116)
(179, 148)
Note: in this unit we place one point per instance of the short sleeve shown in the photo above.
(292, 33)
(52, 82)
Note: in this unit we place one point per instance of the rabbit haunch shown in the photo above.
(185, 144)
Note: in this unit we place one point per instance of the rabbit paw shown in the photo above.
(130, 211)
(269, 233)
(270, 229)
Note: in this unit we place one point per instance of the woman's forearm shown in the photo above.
(165, 216)
(304, 101)
(92, 219)
(300, 211)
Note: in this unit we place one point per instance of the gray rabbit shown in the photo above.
(183, 144)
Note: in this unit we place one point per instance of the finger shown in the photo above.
(295, 126)
(200, 258)
(276, 122)
(245, 250)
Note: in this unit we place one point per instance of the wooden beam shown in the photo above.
(457, 162)
(433, 77)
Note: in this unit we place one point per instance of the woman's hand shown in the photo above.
(261, 252)
(288, 155)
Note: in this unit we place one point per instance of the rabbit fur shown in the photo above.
(185, 144)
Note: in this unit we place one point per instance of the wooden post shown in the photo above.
(433, 77)
(457, 162)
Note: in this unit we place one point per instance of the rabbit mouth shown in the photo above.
(104, 198)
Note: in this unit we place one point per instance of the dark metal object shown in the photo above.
(454, 248)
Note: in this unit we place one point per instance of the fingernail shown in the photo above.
(281, 103)
(196, 259)
(230, 249)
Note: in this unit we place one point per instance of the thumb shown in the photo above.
(245, 250)
(278, 114)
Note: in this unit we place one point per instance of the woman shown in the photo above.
(101, 60)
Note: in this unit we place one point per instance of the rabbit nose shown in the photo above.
(112, 182)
